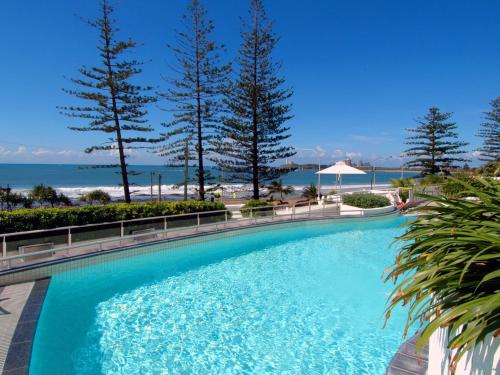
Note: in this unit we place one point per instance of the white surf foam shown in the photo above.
(116, 192)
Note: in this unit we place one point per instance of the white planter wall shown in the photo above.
(484, 360)
(379, 210)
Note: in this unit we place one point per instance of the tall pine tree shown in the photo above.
(490, 132)
(197, 93)
(116, 105)
(435, 145)
(251, 138)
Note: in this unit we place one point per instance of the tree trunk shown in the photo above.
(201, 171)
(186, 170)
(433, 154)
(255, 129)
(123, 163)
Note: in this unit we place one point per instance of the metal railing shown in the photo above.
(212, 220)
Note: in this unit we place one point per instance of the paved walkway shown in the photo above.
(12, 301)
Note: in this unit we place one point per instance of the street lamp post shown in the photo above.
(152, 174)
(374, 169)
(319, 168)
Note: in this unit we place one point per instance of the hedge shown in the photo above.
(365, 200)
(255, 203)
(48, 218)
(453, 188)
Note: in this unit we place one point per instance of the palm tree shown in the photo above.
(310, 192)
(448, 267)
(402, 182)
(277, 187)
(94, 196)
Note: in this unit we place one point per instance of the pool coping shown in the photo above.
(19, 353)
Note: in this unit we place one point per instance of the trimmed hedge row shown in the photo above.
(365, 200)
(48, 218)
(255, 203)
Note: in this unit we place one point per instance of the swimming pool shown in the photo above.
(296, 299)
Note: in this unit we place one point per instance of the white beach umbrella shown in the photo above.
(338, 169)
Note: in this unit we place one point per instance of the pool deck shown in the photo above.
(407, 361)
(13, 298)
(20, 305)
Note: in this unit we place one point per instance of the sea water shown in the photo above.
(74, 180)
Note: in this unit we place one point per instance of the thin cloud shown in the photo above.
(41, 152)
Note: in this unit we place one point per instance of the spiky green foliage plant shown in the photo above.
(403, 182)
(277, 187)
(310, 192)
(447, 271)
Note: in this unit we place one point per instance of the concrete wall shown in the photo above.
(483, 360)
(378, 211)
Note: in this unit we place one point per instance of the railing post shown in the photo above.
(198, 219)
(274, 213)
(225, 217)
(122, 230)
(251, 212)
(165, 228)
(309, 208)
(4, 247)
(69, 237)
(293, 212)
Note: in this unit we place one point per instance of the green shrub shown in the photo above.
(47, 218)
(402, 182)
(404, 193)
(453, 187)
(431, 179)
(490, 169)
(255, 203)
(365, 200)
(48, 195)
(96, 196)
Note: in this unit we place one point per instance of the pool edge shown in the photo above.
(21, 345)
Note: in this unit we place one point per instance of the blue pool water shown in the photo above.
(295, 300)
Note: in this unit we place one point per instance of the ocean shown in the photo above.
(74, 180)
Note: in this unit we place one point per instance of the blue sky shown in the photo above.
(362, 71)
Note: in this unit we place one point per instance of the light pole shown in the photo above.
(319, 168)
(373, 183)
(152, 174)
(159, 187)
